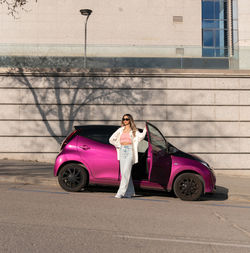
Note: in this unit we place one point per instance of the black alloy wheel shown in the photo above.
(73, 177)
(188, 186)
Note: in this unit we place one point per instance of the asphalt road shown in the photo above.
(40, 218)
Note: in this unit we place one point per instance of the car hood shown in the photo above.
(178, 153)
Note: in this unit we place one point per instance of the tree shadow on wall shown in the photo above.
(64, 101)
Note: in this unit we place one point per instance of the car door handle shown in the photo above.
(85, 147)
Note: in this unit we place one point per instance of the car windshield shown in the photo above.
(156, 138)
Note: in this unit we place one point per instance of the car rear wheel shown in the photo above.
(188, 186)
(72, 177)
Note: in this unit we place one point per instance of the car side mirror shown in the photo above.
(171, 150)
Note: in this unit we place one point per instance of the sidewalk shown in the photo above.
(28, 172)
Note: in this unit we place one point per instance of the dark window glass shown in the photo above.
(156, 138)
(219, 52)
(97, 133)
(208, 24)
(218, 12)
(219, 38)
(222, 52)
(208, 52)
(99, 138)
(214, 26)
(208, 38)
(208, 10)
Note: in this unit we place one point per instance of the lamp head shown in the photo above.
(85, 12)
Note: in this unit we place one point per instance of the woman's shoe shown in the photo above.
(118, 196)
(127, 197)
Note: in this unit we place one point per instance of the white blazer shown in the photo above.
(115, 140)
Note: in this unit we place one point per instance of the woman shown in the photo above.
(126, 140)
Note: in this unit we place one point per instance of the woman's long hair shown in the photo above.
(131, 122)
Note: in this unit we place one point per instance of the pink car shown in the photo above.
(86, 157)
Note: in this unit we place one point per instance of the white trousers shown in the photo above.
(126, 188)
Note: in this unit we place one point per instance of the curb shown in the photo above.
(29, 180)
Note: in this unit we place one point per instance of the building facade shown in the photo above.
(130, 29)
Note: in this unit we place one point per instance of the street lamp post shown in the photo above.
(85, 12)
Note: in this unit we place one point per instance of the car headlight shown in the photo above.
(206, 165)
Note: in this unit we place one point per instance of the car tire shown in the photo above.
(73, 177)
(188, 187)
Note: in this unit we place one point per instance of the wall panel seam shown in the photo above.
(122, 88)
(115, 104)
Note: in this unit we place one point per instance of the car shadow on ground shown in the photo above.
(139, 192)
(220, 194)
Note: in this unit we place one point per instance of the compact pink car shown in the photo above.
(86, 157)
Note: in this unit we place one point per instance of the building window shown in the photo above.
(214, 28)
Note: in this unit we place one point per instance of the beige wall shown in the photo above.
(244, 33)
(199, 113)
(243, 14)
(141, 27)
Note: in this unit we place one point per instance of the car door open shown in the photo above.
(159, 161)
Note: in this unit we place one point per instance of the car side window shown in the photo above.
(99, 134)
(99, 138)
(156, 138)
(143, 146)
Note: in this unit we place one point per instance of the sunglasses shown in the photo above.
(125, 119)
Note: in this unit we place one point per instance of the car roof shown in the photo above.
(96, 127)
(87, 130)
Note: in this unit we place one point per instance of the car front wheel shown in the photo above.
(188, 186)
(72, 177)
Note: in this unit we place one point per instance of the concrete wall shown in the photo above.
(205, 114)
